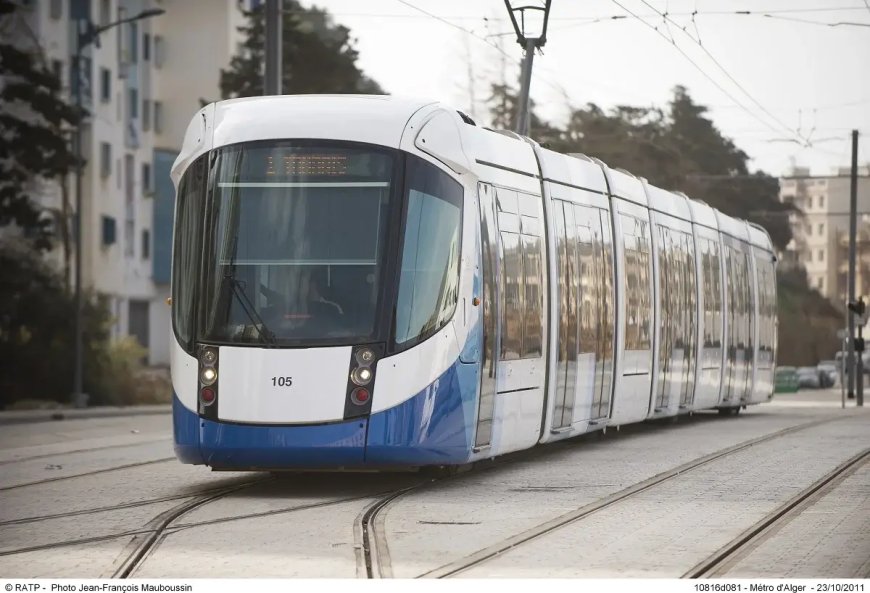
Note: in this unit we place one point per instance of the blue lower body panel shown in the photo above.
(223, 445)
(434, 427)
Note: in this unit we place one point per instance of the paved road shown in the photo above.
(105, 497)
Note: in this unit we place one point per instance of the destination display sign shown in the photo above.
(296, 164)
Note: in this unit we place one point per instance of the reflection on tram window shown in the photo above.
(638, 300)
(522, 293)
(191, 194)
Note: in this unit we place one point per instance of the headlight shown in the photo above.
(361, 376)
(208, 357)
(208, 376)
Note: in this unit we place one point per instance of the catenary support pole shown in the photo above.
(853, 241)
(272, 78)
(524, 115)
(853, 230)
(79, 399)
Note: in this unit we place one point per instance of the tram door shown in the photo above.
(513, 300)
(585, 313)
(490, 300)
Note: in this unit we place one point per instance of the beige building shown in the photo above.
(142, 85)
(821, 234)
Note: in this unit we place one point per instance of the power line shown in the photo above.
(699, 69)
(818, 23)
(666, 18)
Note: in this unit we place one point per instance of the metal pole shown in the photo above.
(523, 117)
(272, 78)
(860, 400)
(79, 399)
(843, 375)
(853, 230)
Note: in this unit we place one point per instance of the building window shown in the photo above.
(821, 255)
(820, 283)
(134, 104)
(146, 244)
(146, 47)
(57, 70)
(159, 50)
(810, 255)
(105, 85)
(109, 232)
(134, 42)
(146, 115)
(56, 9)
(105, 12)
(158, 116)
(821, 228)
(146, 177)
(105, 159)
(821, 201)
(810, 203)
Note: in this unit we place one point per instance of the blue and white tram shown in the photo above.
(366, 281)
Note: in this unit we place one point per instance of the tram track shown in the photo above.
(718, 563)
(374, 559)
(85, 450)
(485, 554)
(163, 525)
(85, 474)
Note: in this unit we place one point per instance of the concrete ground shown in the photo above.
(79, 496)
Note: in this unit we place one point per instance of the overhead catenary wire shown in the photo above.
(701, 70)
(784, 126)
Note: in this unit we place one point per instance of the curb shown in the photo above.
(34, 416)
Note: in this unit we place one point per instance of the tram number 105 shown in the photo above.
(282, 381)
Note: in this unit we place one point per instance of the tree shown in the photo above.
(36, 330)
(318, 56)
(34, 144)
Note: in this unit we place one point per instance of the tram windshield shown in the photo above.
(294, 247)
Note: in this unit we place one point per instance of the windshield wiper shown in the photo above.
(249, 309)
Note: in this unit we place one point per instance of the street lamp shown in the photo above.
(531, 33)
(84, 38)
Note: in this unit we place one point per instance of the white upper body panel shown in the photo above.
(732, 226)
(625, 185)
(570, 170)
(759, 237)
(669, 203)
(703, 214)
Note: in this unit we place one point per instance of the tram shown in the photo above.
(376, 282)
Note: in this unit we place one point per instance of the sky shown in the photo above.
(787, 91)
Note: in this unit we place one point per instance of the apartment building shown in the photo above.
(141, 84)
(820, 241)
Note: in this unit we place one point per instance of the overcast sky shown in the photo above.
(790, 82)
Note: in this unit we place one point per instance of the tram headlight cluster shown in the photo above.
(362, 374)
(208, 374)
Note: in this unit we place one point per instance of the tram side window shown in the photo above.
(187, 247)
(429, 284)
(532, 339)
(638, 304)
(766, 310)
(522, 275)
(588, 314)
(711, 276)
(512, 289)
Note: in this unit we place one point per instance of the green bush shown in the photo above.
(37, 317)
(124, 381)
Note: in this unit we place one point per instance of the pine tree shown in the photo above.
(34, 145)
(318, 56)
